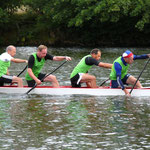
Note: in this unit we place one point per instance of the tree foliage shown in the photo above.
(85, 21)
(7, 8)
(79, 12)
(76, 13)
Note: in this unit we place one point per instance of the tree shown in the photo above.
(7, 8)
(79, 12)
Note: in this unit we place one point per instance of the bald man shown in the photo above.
(5, 60)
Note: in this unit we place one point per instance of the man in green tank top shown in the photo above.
(35, 64)
(5, 60)
(80, 72)
(119, 75)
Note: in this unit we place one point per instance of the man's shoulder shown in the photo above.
(91, 61)
(5, 57)
(5, 54)
(49, 56)
(31, 57)
(117, 65)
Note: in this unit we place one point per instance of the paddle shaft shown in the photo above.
(45, 77)
(140, 75)
(104, 82)
(21, 73)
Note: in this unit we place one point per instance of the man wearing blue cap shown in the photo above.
(119, 75)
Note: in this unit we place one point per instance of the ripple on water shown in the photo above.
(43, 122)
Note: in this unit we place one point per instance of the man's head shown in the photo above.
(128, 56)
(11, 50)
(96, 54)
(41, 51)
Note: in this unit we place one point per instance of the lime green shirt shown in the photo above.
(36, 69)
(124, 70)
(81, 67)
(4, 67)
(5, 60)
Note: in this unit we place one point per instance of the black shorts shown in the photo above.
(74, 81)
(114, 83)
(5, 79)
(31, 83)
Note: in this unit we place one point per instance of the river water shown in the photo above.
(75, 122)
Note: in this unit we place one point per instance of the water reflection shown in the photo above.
(128, 124)
(5, 120)
(74, 122)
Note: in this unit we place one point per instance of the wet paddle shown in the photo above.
(104, 82)
(140, 75)
(45, 77)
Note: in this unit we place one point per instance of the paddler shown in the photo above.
(35, 64)
(80, 72)
(119, 75)
(5, 61)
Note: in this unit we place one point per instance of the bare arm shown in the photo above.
(8, 72)
(105, 65)
(60, 58)
(16, 60)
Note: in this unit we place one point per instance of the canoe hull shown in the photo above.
(66, 90)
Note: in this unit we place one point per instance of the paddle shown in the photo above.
(45, 77)
(140, 75)
(21, 73)
(104, 82)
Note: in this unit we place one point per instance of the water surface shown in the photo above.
(80, 122)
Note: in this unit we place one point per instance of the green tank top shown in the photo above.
(4, 67)
(36, 69)
(81, 67)
(123, 71)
